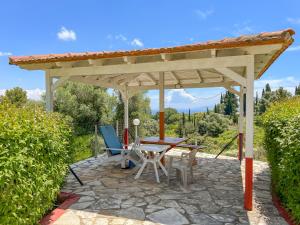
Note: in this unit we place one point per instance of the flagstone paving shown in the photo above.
(111, 196)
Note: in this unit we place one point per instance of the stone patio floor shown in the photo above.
(111, 195)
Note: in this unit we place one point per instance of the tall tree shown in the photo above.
(221, 99)
(86, 104)
(269, 97)
(171, 116)
(138, 107)
(268, 88)
(256, 98)
(16, 96)
(230, 104)
(189, 117)
(297, 90)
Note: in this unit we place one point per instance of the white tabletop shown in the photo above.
(153, 148)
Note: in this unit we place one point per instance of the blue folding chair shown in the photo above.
(116, 150)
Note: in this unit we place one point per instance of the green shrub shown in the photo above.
(34, 154)
(213, 124)
(282, 143)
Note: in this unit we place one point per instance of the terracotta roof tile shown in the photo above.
(283, 36)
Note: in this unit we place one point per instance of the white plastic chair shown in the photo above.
(184, 166)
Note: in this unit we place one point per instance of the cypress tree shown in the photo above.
(297, 90)
(256, 99)
(230, 104)
(189, 115)
(268, 88)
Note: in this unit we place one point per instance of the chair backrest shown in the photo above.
(111, 139)
(192, 156)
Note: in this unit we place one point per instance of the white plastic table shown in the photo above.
(158, 152)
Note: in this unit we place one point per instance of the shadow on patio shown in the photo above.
(112, 196)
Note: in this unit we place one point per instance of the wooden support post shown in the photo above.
(161, 106)
(49, 92)
(241, 124)
(249, 137)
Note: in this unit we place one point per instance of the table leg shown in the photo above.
(156, 171)
(163, 168)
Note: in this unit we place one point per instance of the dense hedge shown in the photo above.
(282, 143)
(34, 154)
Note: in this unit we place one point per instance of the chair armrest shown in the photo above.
(116, 149)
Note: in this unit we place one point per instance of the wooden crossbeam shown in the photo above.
(59, 82)
(199, 76)
(232, 75)
(151, 77)
(175, 77)
(232, 90)
(188, 64)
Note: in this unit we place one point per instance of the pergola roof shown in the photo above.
(208, 64)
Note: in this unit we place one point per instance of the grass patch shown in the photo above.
(215, 144)
(83, 147)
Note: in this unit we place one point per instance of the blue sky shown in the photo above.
(39, 27)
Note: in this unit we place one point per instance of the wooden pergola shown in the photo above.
(232, 63)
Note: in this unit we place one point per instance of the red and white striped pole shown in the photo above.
(249, 136)
(125, 136)
(241, 124)
(161, 106)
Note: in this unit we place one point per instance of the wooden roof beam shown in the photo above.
(232, 90)
(129, 60)
(165, 57)
(232, 75)
(199, 75)
(151, 77)
(190, 64)
(175, 77)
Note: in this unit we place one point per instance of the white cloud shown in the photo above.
(34, 94)
(293, 20)
(184, 99)
(5, 54)
(121, 37)
(66, 35)
(294, 48)
(174, 95)
(203, 14)
(243, 28)
(137, 42)
(289, 83)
